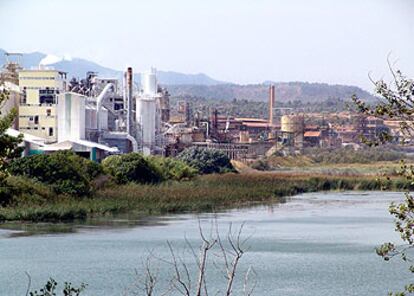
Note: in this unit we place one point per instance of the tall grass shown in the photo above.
(205, 193)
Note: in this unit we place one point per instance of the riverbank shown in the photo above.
(319, 238)
(203, 194)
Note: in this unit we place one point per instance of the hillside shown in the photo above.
(285, 91)
(200, 85)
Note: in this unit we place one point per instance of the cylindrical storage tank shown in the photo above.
(149, 82)
(292, 124)
(145, 117)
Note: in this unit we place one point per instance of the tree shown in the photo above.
(222, 253)
(8, 145)
(63, 171)
(171, 168)
(131, 167)
(206, 161)
(396, 101)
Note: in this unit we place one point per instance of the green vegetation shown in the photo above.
(24, 190)
(349, 155)
(50, 289)
(172, 169)
(290, 91)
(341, 161)
(206, 161)
(64, 172)
(132, 167)
(395, 100)
(203, 193)
(8, 145)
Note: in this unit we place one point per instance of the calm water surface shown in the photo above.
(315, 244)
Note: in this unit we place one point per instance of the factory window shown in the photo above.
(36, 119)
(43, 128)
(31, 118)
(48, 112)
(47, 96)
(50, 131)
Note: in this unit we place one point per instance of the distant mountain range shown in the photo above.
(78, 67)
(201, 85)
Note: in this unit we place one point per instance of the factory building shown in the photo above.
(37, 108)
(148, 114)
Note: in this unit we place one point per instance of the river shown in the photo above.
(315, 244)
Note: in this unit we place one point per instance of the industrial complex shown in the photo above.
(97, 116)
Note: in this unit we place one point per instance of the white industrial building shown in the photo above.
(99, 116)
(148, 115)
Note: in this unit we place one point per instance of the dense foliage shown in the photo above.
(206, 161)
(18, 189)
(350, 155)
(171, 168)
(8, 145)
(131, 167)
(289, 91)
(134, 167)
(64, 171)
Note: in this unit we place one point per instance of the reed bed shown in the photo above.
(202, 194)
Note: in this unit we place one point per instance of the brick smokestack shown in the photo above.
(271, 104)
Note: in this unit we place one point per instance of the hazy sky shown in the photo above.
(243, 41)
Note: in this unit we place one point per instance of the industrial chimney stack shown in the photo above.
(129, 94)
(271, 104)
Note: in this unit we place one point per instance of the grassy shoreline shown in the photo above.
(203, 194)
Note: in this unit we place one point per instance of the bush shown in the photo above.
(64, 171)
(172, 169)
(206, 161)
(19, 189)
(261, 165)
(131, 167)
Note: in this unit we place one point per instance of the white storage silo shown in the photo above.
(145, 117)
(149, 82)
(71, 116)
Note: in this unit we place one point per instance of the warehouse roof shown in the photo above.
(26, 137)
(69, 144)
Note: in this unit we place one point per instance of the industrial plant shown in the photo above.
(97, 116)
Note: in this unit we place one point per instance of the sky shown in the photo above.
(240, 41)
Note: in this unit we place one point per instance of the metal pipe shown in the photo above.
(133, 142)
(99, 101)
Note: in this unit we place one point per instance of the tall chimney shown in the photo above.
(271, 104)
(129, 98)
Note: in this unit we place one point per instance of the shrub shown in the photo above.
(206, 161)
(64, 171)
(18, 189)
(261, 165)
(172, 169)
(131, 167)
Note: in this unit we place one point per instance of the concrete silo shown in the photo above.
(295, 125)
(146, 112)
